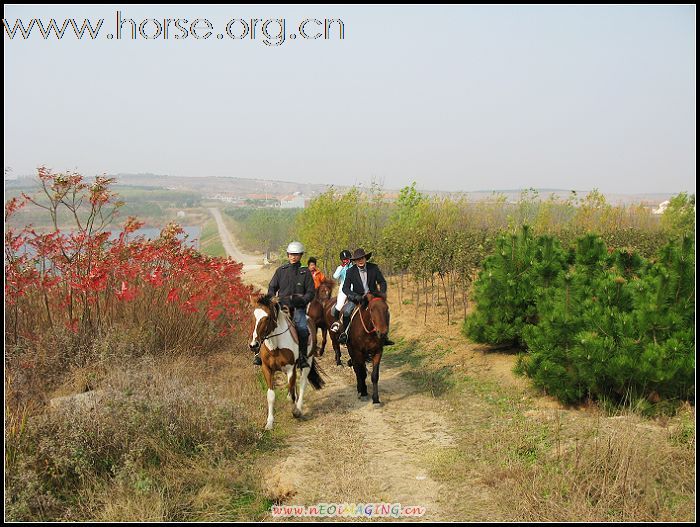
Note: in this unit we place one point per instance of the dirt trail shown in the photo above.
(344, 450)
(250, 262)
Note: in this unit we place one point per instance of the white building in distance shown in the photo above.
(292, 202)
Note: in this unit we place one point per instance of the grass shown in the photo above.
(172, 438)
(210, 242)
(539, 463)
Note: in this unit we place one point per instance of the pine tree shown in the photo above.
(520, 270)
(616, 327)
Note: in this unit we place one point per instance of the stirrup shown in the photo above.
(343, 338)
(335, 327)
(257, 361)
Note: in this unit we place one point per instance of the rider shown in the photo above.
(362, 278)
(317, 275)
(339, 275)
(296, 289)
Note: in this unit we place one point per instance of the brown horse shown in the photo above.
(327, 313)
(368, 329)
(275, 336)
(317, 307)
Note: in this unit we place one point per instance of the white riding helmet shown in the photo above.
(295, 248)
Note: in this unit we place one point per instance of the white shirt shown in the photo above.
(363, 276)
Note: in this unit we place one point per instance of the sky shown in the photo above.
(452, 97)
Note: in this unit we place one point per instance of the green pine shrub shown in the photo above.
(616, 327)
(520, 270)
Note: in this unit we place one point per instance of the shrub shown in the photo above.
(521, 269)
(616, 327)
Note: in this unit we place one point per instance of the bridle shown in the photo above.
(362, 319)
(274, 320)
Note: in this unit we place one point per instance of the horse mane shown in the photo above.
(379, 295)
(328, 283)
(266, 300)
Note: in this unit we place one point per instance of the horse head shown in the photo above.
(379, 313)
(266, 313)
(325, 290)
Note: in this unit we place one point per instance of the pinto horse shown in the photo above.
(274, 334)
(317, 310)
(368, 329)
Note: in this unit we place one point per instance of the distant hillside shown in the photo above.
(244, 188)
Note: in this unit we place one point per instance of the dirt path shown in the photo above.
(250, 262)
(345, 450)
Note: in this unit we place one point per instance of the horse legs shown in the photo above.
(296, 411)
(336, 348)
(375, 377)
(324, 332)
(270, 396)
(361, 374)
(291, 382)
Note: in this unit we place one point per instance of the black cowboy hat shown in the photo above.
(360, 253)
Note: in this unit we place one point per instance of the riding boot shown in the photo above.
(335, 327)
(257, 361)
(343, 339)
(387, 340)
(303, 345)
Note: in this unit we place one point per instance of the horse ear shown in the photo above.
(254, 298)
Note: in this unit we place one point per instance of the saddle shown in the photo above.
(293, 329)
(290, 323)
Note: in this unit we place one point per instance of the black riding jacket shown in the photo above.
(293, 280)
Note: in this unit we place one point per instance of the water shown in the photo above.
(193, 233)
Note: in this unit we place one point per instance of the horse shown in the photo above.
(369, 327)
(320, 310)
(317, 307)
(275, 336)
(329, 318)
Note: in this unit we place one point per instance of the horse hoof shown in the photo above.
(268, 426)
(296, 412)
(377, 403)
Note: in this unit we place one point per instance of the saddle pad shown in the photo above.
(292, 327)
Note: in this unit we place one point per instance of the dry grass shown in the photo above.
(534, 459)
(165, 438)
(535, 462)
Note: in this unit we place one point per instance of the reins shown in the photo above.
(281, 332)
(370, 318)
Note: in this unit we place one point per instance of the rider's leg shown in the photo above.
(303, 332)
(387, 340)
(347, 312)
(335, 327)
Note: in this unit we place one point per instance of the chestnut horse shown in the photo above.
(319, 311)
(279, 351)
(368, 329)
(317, 308)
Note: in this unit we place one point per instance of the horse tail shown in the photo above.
(314, 376)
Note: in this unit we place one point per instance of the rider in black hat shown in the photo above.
(362, 278)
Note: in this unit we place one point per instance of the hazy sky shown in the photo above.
(455, 98)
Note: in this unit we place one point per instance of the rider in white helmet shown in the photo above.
(295, 287)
